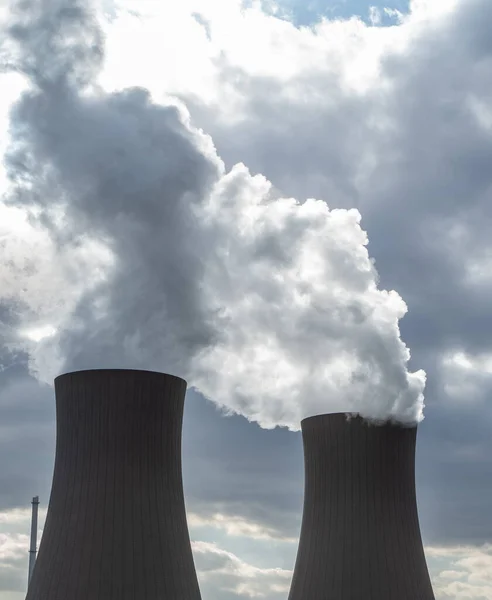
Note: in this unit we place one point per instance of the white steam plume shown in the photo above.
(269, 307)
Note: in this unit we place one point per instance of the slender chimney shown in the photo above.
(116, 525)
(34, 537)
(360, 536)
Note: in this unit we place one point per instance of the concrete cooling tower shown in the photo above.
(116, 526)
(360, 536)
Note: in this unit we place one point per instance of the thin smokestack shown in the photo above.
(360, 536)
(116, 526)
(34, 537)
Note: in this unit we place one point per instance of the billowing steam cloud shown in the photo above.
(268, 306)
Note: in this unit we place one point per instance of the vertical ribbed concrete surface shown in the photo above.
(116, 526)
(360, 537)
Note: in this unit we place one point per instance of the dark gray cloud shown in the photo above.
(27, 438)
(236, 468)
(64, 47)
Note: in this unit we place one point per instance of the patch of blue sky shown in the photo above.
(308, 12)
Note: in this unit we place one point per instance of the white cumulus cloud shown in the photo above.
(229, 574)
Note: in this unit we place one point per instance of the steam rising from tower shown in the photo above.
(360, 536)
(164, 258)
(116, 525)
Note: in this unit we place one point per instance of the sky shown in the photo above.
(310, 12)
(286, 203)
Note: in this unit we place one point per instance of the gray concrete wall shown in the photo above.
(360, 536)
(116, 526)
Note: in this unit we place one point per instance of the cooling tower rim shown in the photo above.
(82, 372)
(319, 418)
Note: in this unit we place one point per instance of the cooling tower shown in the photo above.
(360, 536)
(116, 526)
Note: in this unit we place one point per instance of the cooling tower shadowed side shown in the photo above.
(116, 526)
(360, 536)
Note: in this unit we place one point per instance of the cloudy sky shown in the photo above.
(288, 203)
